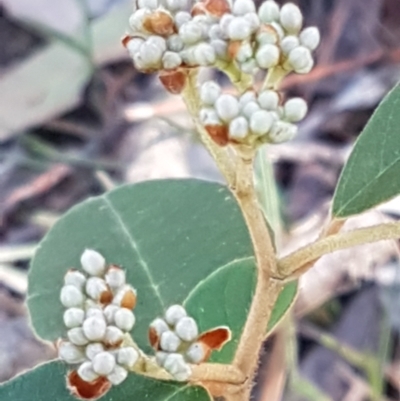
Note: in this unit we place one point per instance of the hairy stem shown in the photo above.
(215, 372)
(291, 264)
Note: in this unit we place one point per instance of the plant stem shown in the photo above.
(217, 372)
(294, 263)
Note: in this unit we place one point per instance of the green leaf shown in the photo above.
(169, 235)
(371, 175)
(224, 298)
(47, 383)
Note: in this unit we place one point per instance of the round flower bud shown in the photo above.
(70, 353)
(124, 319)
(182, 17)
(117, 376)
(282, 132)
(244, 53)
(310, 38)
(190, 33)
(204, 54)
(227, 107)
(93, 349)
(161, 357)
(103, 363)
(125, 297)
(73, 277)
(177, 367)
(71, 296)
(295, 109)
(169, 341)
(114, 336)
(239, 29)
(196, 353)
(186, 328)
(151, 54)
(215, 32)
(93, 262)
(238, 129)
(267, 56)
(159, 325)
(115, 277)
(86, 372)
(269, 12)
(157, 41)
(77, 337)
(249, 109)
(300, 59)
(242, 7)
(94, 328)
(220, 47)
(288, 44)
(268, 100)
(127, 357)
(249, 67)
(137, 18)
(174, 313)
(95, 287)
(224, 23)
(133, 46)
(291, 18)
(183, 374)
(149, 4)
(175, 43)
(171, 60)
(260, 122)
(95, 311)
(253, 20)
(109, 312)
(73, 317)
(209, 93)
(248, 96)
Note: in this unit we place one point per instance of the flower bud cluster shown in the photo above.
(175, 339)
(168, 34)
(250, 119)
(98, 313)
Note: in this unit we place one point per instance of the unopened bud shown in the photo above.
(267, 56)
(186, 329)
(239, 29)
(77, 337)
(242, 7)
(204, 54)
(282, 132)
(310, 38)
(103, 363)
(94, 328)
(175, 43)
(196, 353)
(295, 110)
(169, 341)
(190, 33)
(301, 60)
(115, 277)
(171, 60)
(93, 262)
(227, 107)
(86, 372)
(73, 277)
(177, 367)
(109, 312)
(95, 287)
(291, 18)
(269, 12)
(125, 297)
(260, 122)
(268, 100)
(118, 375)
(71, 296)
(174, 313)
(249, 109)
(124, 319)
(181, 18)
(161, 356)
(93, 349)
(238, 129)
(70, 353)
(209, 93)
(159, 23)
(127, 357)
(113, 336)
(73, 317)
(289, 43)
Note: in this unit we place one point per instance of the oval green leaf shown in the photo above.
(371, 175)
(48, 383)
(224, 298)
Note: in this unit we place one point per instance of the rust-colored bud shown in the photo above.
(106, 297)
(125, 40)
(174, 81)
(129, 300)
(85, 390)
(217, 8)
(218, 133)
(215, 339)
(154, 338)
(198, 9)
(159, 23)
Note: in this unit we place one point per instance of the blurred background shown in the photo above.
(76, 119)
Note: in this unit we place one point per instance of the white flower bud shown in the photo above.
(73, 317)
(239, 29)
(95, 287)
(73, 277)
(124, 319)
(242, 7)
(300, 59)
(157, 41)
(295, 109)
(149, 4)
(278, 29)
(86, 372)
(115, 277)
(109, 312)
(260, 122)
(195, 353)
(249, 109)
(289, 43)
(220, 47)
(151, 54)
(238, 129)
(127, 357)
(267, 56)
(267, 38)
(161, 357)
(186, 328)
(249, 67)
(134, 45)
(244, 53)
(215, 32)
(125, 297)
(77, 337)
(159, 325)
(188, 56)
(174, 313)
(268, 100)
(310, 38)
(182, 17)
(171, 60)
(117, 376)
(224, 23)
(291, 18)
(93, 349)
(247, 97)
(177, 367)
(95, 311)
(282, 132)
(94, 328)
(269, 12)
(204, 54)
(71, 296)
(208, 116)
(175, 43)
(190, 33)
(209, 93)
(137, 18)
(70, 353)
(113, 336)
(93, 262)
(227, 107)
(253, 20)
(103, 363)
(169, 341)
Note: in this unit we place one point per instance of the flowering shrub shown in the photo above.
(194, 259)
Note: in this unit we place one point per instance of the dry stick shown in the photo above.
(289, 265)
